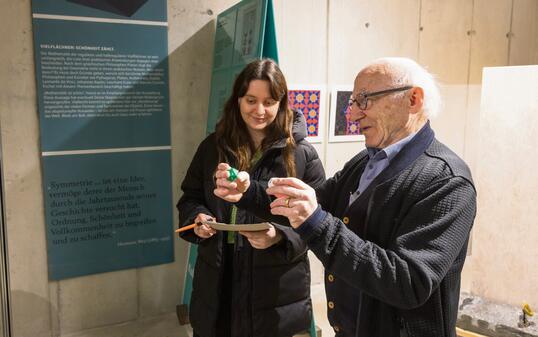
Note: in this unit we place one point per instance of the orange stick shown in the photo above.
(186, 228)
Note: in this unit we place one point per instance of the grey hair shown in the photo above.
(405, 71)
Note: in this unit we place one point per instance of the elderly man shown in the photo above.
(392, 227)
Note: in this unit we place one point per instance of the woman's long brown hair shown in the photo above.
(231, 131)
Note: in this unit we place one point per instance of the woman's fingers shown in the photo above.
(262, 239)
(222, 174)
(224, 183)
(203, 217)
(223, 166)
(242, 182)
(204, 231)
(231, 191)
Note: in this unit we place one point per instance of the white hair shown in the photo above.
(405, 71)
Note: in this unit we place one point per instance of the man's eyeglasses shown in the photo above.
(363, 98)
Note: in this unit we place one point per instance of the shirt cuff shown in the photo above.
(312, 224)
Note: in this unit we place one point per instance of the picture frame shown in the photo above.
(341, 129)
(310, 100)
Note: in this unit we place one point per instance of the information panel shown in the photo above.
(102, 84)
(244, 33)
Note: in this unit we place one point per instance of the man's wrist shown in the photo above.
(308, 227)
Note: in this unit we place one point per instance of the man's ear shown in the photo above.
(416, 100)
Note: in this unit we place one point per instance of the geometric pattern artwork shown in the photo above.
(342, 129)
(308, 103)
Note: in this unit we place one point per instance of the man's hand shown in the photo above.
(263, 239)
(231, 191)
(295, 199)
(203, 230)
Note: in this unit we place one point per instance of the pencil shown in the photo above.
(186, 228)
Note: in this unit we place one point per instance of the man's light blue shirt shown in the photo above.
(378, 160)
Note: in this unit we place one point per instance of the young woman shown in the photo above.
(250, 284)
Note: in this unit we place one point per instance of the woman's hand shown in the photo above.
(231, 191)
(204, 231)
(263, 239)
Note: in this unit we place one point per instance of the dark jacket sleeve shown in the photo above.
(314, 175)
(325, 192)
(257, 200)
(406, 273)
(192, 201)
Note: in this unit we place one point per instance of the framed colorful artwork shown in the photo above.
(310, 101)
(341, 128)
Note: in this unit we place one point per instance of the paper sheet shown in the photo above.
(235, 228)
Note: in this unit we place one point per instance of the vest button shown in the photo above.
(330, 277)
(345, 220)
(336, 328)
(331, 304)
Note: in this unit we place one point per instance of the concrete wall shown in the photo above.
(505, 251)
(30, 292)
(320, 42)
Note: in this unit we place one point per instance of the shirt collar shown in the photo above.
(390, 151)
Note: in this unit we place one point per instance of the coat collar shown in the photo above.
(410, 152)
(407, 155)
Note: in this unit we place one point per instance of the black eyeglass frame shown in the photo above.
(362, 102)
